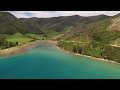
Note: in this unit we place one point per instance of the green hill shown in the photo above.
(97, 36)
(59, 24)
(9, 24)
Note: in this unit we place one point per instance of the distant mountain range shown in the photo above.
(59, 24)
(9, 24)
(97, 36)
(70, 26)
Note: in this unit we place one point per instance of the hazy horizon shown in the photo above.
(48, 14)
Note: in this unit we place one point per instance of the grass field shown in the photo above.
(18, 37)
(27, 37)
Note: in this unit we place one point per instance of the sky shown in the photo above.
(47, 14)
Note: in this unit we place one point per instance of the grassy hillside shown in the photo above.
(97, 36)
(94, 39)
(115, 23)
(59, 24)
(9, 24)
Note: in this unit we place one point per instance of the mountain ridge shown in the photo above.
(97, 36)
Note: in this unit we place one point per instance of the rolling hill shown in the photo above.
(97, 36)
(9, 24)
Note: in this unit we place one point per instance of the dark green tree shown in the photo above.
(74, 49)
(79, 49)
(16, 42)
(2, 39)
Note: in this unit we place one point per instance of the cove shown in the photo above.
(45, 61)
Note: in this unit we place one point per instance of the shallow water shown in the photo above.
(45, 61)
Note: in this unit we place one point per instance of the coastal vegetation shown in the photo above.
(6, 44)
(97, 36)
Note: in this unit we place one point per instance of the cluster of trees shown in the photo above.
(106, 36)
(95, 49)
(32, 38)
(6, 44)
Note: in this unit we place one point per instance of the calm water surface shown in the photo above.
(45, 61)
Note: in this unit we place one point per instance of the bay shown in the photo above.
(45, 61)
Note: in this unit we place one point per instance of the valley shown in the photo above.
(97, 36)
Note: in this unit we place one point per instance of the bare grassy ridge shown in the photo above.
(115, 24)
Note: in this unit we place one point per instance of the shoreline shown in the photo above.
(19, 49)
(101, 59)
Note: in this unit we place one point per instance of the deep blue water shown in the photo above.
(45, 61)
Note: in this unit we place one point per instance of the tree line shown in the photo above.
(6, 44)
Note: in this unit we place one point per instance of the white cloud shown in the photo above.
(19, 14)
(44, 14)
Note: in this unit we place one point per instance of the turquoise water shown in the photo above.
(45, 61)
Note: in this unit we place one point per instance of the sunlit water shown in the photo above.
(45, 61)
